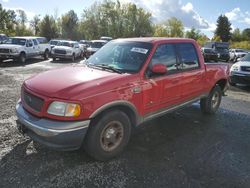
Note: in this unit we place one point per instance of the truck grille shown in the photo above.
(4, 50)
(245, 68)
(34, 102)
(60, 51)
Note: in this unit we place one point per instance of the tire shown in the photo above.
(73, 58)
(54, 59)
(210, 104)
(108, 136)
(232, 84)
(46, 55)
(22, 58)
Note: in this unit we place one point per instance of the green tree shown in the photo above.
(175, 27)
(160, 31)
(34, 23)
(69, 23)
(223, 29)
(193, 34)
(236, 35)
(48, 27)
(246, 34)
(7, 21)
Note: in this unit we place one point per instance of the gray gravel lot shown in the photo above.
(181, 149)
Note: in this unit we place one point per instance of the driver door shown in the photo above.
(30, 48)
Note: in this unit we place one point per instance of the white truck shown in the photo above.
(23, 48)
(66, 49)
(236, 54)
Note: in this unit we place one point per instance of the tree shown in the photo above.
(7, 21)
(34, 23)
(246, 34)
(48, 27)
(160, 31)
(193, 34)
(223, 29)
(69, 25)
(175, 27)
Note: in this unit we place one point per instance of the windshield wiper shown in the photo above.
(106, 67)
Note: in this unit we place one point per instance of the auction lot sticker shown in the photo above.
(139, 50)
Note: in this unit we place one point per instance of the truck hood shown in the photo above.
(62, 48)
(9, 46)
(69, 82)
(93, 49)
(243, 63)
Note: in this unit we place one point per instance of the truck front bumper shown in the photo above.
(62, 56)
(9, 56)
(240, 78)
(60, 135)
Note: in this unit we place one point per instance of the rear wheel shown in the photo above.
(22, 58)
(211, 103)
(108, 136)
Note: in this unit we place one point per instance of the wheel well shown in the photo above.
(128, 111)
(22, 53)
(222, 83)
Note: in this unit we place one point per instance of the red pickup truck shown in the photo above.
(125, 83)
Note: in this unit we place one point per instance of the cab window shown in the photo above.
(35, 42)
(165, 54)
(188, 56)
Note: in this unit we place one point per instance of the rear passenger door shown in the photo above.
(192, 73)
(36, 47)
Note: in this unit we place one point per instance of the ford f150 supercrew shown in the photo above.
(23, 48)
(124, 84)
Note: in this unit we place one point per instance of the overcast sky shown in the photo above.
(200, 14)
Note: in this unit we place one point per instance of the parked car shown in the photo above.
(106, 38)
(240, 71)
(54, 42)
(3, 38)
(84, 44)
(22, 48)
(94, 46)
(236, 54)
(67, 50)
(125, 83)
(221, 48)
(209, 54)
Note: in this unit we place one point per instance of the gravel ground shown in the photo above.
(181, 149)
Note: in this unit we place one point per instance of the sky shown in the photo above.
(200, 14)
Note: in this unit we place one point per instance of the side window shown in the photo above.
(35, 42)
(188, 55)
(165, 54)
(29, 43)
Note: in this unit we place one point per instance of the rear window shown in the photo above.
(188, 55)
(42, 40)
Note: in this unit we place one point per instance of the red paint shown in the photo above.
(93, 88)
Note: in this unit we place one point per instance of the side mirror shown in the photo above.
(159, 69)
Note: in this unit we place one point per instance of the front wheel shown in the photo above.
(73, 58)
(211, 103)
(108, 136)
(22, 58)
(46, 55)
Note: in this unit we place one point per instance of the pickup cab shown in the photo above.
(125, 83)
(23, 48)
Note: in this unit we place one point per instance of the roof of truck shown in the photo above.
(155, 39)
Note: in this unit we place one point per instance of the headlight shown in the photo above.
(235, 68)
(64, 109)
(14, 50)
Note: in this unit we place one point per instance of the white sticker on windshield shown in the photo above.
(139, 50)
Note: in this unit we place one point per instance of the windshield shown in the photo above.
(16, 41)
(68, 44)
(123, 56)
(54, 42)
(96, 44)
(223, 50)
(246, 57)
(239, 51)
(208, 50)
